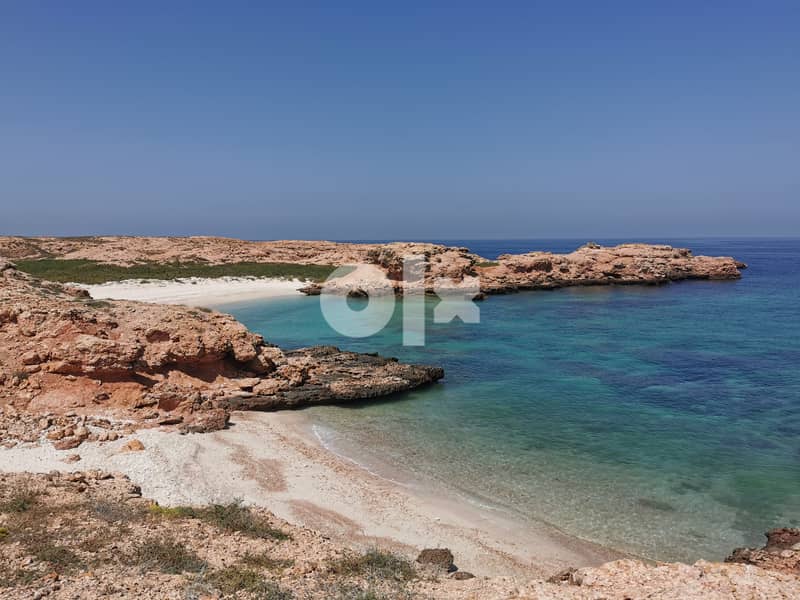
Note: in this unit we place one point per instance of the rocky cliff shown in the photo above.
(62, 351)
(593, 264)
(589, 265)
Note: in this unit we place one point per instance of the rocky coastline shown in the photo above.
(589, 265)
(61, 351)
(74, 371)
(92, 534)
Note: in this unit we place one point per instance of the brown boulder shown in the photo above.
(68, 443)
(132, 446)
(440, 558)
(462, 575)
(781, 552)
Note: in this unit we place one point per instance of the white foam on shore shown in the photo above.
(196, 291)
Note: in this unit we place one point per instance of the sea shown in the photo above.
(663, 421)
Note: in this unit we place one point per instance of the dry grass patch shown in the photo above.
(60, 558)
(233, 580)
(19, 498)
(375, 564)
(233, 516)
(264, 561)
(167, 556)
(116, 512)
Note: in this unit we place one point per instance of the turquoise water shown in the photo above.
(664, 421)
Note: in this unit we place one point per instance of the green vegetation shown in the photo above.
(375, 564)
(171, 512)
(231, 517)
(93, 272)
(488, 263)
(235, 517)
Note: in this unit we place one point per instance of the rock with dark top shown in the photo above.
(781, 552)
(565, 576)
(783, 538)
(462, 575)
(440, 558)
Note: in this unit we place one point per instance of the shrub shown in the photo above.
(171, 512)
(115, 512)
(264, 561)
(60, 557)
(21, 499)
(236, 517)
(231, 580)
(231, 517)
(375, 563)
(168, 556)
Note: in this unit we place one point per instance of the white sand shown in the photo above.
(196, 291)
(274, 460)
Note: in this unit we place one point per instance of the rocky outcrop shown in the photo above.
(170, 365)
(592, 264)
(121, 250)
(780, 553)
(325, 374)
(589, 265)
(91, 534)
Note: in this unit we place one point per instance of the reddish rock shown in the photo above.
(781, 552)
(597, 265)
(68, 443)
(132, 446)
(123, 357)
(441, 558)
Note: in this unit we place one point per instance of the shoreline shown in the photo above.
(196, 291)
(275, 460)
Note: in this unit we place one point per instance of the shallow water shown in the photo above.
(664, 421)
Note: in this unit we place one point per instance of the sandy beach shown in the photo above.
(274, 460)
(195, 291)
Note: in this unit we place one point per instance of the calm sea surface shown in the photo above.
(659, 420)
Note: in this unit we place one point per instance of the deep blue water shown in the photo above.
(659, 420)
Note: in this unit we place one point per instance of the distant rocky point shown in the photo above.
(590, 264)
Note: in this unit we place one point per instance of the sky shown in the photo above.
(405, 120)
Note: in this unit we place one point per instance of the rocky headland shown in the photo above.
(591, 264)
(63, 352)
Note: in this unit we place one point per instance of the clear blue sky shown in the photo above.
(400, 120)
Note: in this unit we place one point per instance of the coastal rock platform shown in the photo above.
(62, 351)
